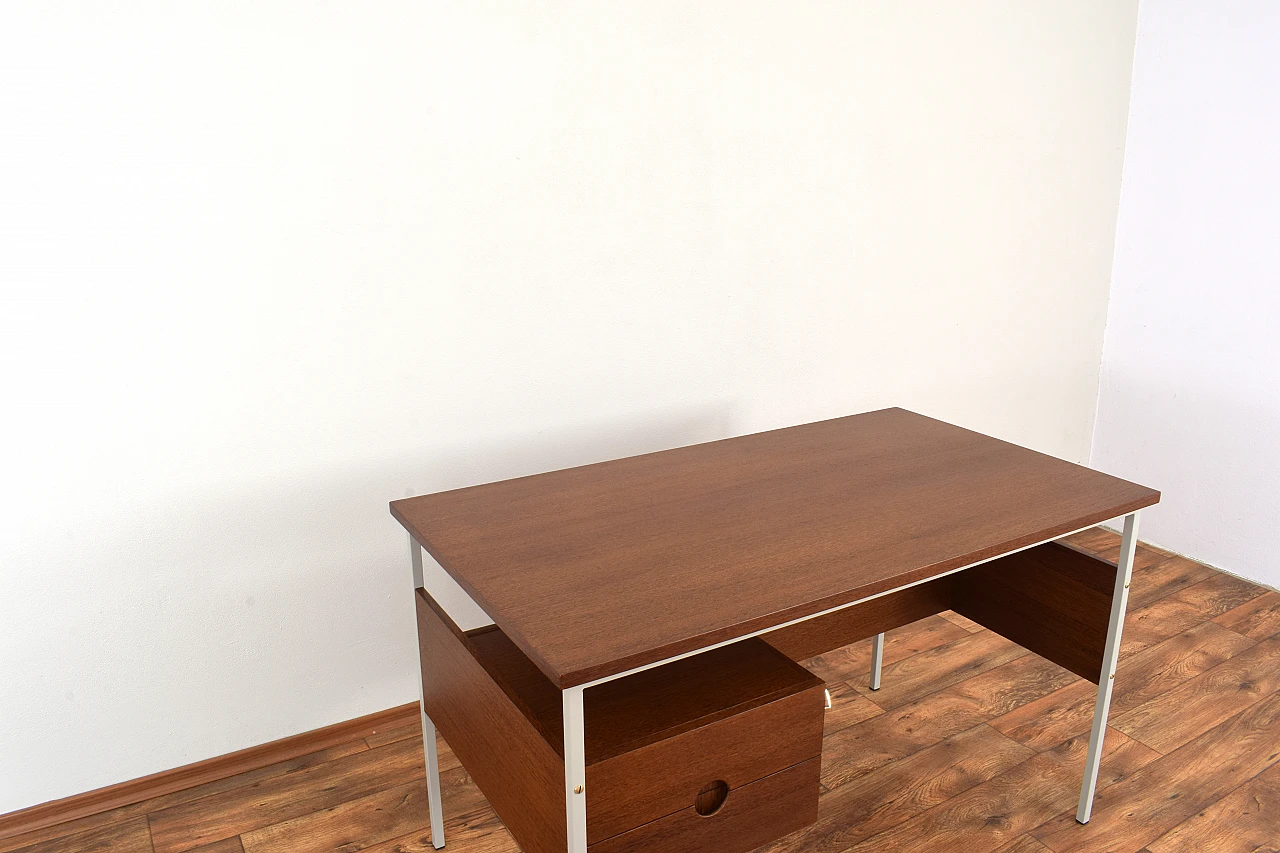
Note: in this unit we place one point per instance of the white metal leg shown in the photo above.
(428, 727)
(433, 781)
(415, 558)
(1119, 601)
(877, 660)
(575, 769)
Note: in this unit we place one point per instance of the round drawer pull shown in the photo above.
(711, 798)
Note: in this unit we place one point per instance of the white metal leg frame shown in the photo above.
(575, 770)
(428, 727)
(1106, 680)
(877, 659)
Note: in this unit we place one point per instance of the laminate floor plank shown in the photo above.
(1220, 593)
(1158, 621)
(1196, 706)
(1152, 672)
(1257, 619)
(931, 670)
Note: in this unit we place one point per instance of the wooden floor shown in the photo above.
(972, 745)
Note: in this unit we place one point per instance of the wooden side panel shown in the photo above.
(752, 816)
(665, 777)
(862, 621)
(1052, 600)
(513, 766)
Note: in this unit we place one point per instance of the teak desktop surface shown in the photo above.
(597, 570)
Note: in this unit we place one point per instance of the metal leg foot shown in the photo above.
(877, 660)
(1101, 708)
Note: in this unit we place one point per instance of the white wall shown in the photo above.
(266, 266)
(1190, 393)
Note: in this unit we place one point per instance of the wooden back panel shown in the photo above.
(861, 621)
(1052, 600)
(515, 768)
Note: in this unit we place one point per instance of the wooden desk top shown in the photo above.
(599, 569)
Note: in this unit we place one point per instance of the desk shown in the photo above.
(811, 536)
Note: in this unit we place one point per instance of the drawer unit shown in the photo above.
(716, 753)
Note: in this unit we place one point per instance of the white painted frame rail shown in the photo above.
(1110, 655)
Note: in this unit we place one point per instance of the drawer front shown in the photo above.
(749, 817)
(664, 778)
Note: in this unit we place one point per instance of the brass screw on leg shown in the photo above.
(578, 790)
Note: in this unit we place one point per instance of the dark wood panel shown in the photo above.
(1140, 808)
(665, 777)
(1257, 619)
(516, 768)
(376, 817)
(244, 808)
(848, 707)
(984, 817)
(227, 845)
(920, 675)
(751, 816)
(879, 800)
(603, 568)
(860, 749)
(1052, 600)
(653, 740)
(126, 836)
(1245, 821)
(861, 621)
(1203, 702)
(1140, 678)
